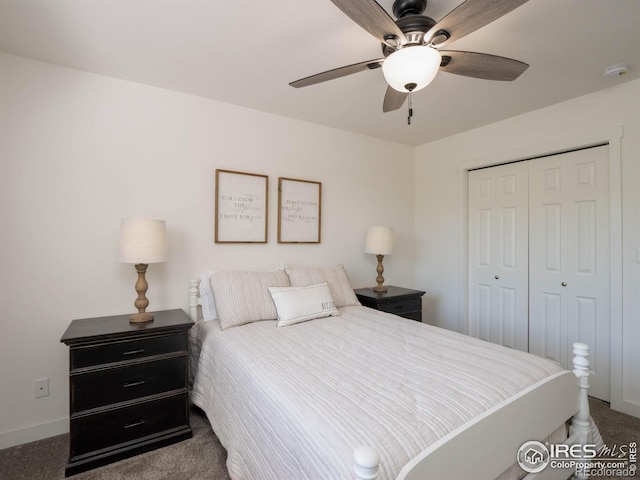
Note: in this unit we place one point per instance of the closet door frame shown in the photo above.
(611, 137)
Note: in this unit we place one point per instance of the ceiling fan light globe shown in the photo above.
(417, 64)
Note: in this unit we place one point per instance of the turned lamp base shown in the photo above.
(142, 302)
(380, 279)
(141, 317)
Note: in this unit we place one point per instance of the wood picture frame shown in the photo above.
(299, 210)
(241, 209)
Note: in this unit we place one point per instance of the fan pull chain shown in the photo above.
(410, 110)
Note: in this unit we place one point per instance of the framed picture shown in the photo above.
(299, 210)
(241, 207)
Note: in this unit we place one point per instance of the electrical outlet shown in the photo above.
(41, 387)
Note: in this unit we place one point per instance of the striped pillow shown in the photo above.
(243, 297)
(336, 277)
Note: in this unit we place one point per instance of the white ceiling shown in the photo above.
(246, 53)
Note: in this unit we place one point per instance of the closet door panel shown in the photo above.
(586, 237)
(484, 312)
(546, 341)
(568, 258)
(498, 278)
(484, 237)
(552, 238)
(508, 317)
(508, 238)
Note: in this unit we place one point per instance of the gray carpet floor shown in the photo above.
(203, 458)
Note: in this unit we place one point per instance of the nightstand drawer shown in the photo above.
(122, 425)
(417, 316)
(402, 307)
(126, 350)
(113, 385)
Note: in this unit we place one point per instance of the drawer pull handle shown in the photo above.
(134, 424)
(133, 384)
(133, 352)
(399, 307)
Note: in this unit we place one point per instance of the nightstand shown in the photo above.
(128, 387)
(404, 302)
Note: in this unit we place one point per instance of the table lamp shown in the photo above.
(380, 243)
(142, 241)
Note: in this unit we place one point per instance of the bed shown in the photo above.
(341, 391)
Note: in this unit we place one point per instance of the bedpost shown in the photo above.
(193, 299)
(580, 421)
(365, 463)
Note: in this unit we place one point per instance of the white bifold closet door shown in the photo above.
(569, 259)
(539, 257)
(498, 255)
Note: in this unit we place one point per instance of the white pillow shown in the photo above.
(243, 297)
(299, 304)
(336, 277)
(207, 301)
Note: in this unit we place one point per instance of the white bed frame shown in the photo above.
(487, 446)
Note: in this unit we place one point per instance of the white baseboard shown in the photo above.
(33, 433)
(626, 406)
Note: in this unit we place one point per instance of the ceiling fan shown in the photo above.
(411, 45)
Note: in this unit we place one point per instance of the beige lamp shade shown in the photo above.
(142, 240)
(379, 241)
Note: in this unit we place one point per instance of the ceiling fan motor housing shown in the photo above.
(414, 27)
(402, 8)
(410, 20)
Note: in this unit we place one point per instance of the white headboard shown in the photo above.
(194, 299)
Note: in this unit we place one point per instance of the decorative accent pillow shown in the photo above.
(299, 304)
(336, 277)
(243, 297)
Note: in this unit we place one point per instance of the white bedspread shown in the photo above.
(293, 403)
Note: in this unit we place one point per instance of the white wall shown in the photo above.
(440, 216)
(79, 152)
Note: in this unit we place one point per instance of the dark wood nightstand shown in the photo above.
(404, 302)
(127, 386)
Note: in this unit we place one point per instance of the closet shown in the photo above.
(538, 257)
